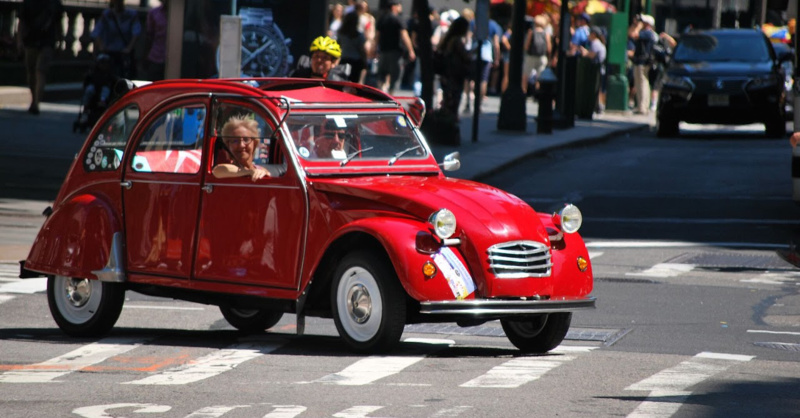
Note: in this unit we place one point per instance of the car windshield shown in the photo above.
(729, 47)
(342, 137)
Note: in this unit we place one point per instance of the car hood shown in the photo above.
(479, 209)
(720, 69)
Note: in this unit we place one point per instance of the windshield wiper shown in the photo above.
(402, 153)
(352, 155)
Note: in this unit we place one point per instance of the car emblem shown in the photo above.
(718, 84)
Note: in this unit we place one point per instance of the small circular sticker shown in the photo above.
(304, 152)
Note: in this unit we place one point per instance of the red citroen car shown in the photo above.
(328, 204)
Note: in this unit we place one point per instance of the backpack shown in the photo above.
(538, 46)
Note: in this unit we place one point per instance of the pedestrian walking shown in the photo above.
(39, 30)
(538, 47)
(458, 59)
(392, 39)
(156, 41)
(115, 33)
(597, 53)
(644, 37)
(354, 47)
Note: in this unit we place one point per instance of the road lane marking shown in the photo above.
(27, 286)
(368, 370)
(360, 411)
(758, 331)
(519, 371)
(214, 411)
(208, 366)
(664, 270)
(75, 360)
(668, 388)
(680, 244)
(594, 254)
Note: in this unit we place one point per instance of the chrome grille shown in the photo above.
(518, 259)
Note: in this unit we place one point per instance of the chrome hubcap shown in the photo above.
(359, 303)
(78, 292)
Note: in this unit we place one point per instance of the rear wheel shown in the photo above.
(251, 320)
(540, 334)
(83, 307)
(368, 302)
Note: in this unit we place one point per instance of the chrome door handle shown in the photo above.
(126, 184)
(208, 188)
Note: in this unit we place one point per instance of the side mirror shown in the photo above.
(452, 161)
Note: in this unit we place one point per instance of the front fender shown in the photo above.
(75, 239)
(398, 238)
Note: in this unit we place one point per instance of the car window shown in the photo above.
(337, 136)
(173, 142)
(106, 150)
(731, 47)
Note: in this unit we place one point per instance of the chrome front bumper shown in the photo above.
(504, 308)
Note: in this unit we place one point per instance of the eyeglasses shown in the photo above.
(244, 139)
(337, 135)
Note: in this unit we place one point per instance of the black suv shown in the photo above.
(724, 76)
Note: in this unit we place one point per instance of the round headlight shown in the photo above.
(443, 222)
(571, 218)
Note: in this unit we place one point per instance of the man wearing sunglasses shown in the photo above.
(330, 144)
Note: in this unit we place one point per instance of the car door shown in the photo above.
(251, 232)
(161, 192)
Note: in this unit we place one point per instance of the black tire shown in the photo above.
(367, 302)
(251, 320)
(83, 307)
(775, 128)
(538, 335)
(667, 127)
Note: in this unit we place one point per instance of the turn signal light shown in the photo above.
(583, 263)
(429, 269)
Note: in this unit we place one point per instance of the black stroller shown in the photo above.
(98, 88)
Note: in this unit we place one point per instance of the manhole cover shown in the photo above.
(733, 260)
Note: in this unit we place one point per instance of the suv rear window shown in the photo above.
(747, 47)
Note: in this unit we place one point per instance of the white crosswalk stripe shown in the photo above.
(78, 359)
(669, 388)
(369, 370)
(519, 371)
(210, 365)
(26, 286)
(9, 271)
(664, 270)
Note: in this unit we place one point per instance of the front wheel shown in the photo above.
(83, 307)
(540, 334)
(251, 320)
(368, 302)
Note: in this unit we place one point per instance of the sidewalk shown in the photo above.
(493, 151)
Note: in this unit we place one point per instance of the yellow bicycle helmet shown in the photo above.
(328, 45)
